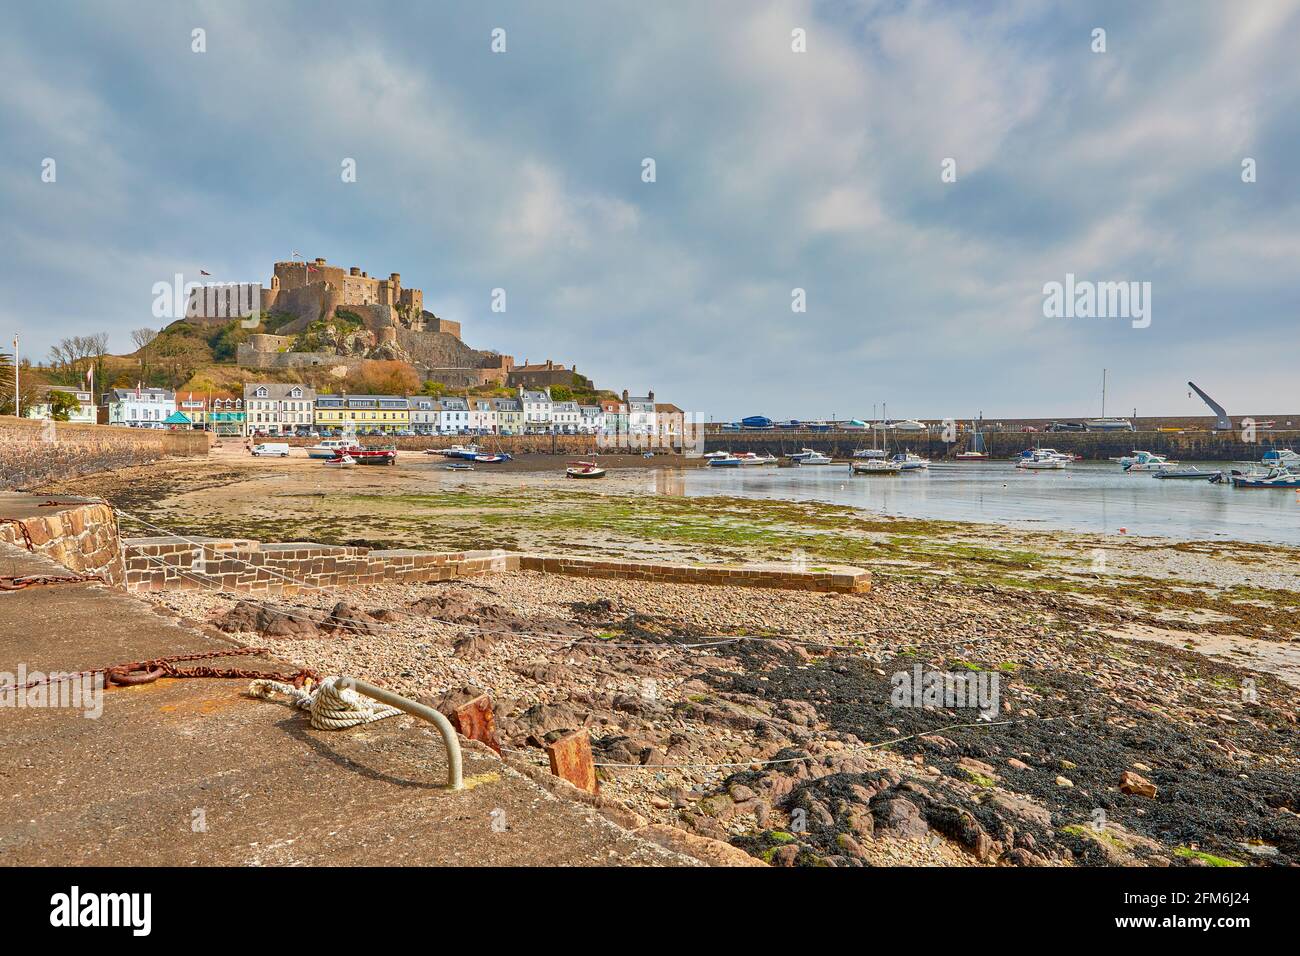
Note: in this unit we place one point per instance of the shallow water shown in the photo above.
(1088, 496)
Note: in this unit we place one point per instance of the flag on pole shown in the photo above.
(202, 273)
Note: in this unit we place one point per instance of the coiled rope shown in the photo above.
(330, 707)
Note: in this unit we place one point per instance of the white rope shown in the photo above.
(330, 707)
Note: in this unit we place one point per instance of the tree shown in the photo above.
(143, 338)
(62, 405)
(70, 358)
(6, 383)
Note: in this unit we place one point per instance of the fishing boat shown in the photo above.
(1042, 459)
(1273, 478)
(331, 447)
(800, 455)
(1192, 474)
(374, 456)
(584, 469)
(911, 462)
(726, 461)
(1280, 458)
(343, 460)
(816, 458)
(1149, 461)
(466, 452)
(875, 466)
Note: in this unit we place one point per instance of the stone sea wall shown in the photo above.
(33, 452)
(83, 537)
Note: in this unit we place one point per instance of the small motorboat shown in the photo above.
(971, 456)
(911, 462)
(800, 455)
(1191, 474)
(467, 452)
(875, 466)
(815, 458)
(1042, 459)
(584, 469)
(458, 466)
(1149, 461)
(492, 459)
(331, 448)
(726, 461)
(343, 460)
(750, 458)
(1273, 478)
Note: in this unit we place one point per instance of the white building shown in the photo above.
(640, 414)
(453, 415)
(537, 410)
(565, 418)
(424, 414)
(139, 407)
(277, 409)
(82, 414)
(592, 420)
(482, 417)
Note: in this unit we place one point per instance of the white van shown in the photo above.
(272, 448)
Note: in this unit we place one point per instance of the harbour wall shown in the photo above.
(80, 534)
(33, 452)
(1185, 446)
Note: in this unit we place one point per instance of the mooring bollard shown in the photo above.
(571, 760)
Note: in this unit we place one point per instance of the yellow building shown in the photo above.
(364, 413)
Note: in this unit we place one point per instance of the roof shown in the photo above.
(452, 403)
(177, 418)
(507, 404)
(668, 407)
(531, 396)
(279, 390)
(122, 394)
(566, 406)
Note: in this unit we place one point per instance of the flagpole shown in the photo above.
(18, 412)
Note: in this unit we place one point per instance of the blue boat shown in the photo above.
(1275, 478)
(756, 423)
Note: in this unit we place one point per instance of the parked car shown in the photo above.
(277, 449)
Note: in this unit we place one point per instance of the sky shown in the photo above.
(920, 170)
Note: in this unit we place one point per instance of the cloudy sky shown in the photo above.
(775, 170)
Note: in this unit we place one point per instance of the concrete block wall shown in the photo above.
(154, 564)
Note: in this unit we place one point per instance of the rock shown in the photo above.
(707, 850)
(785, 855)
(1021, 807)
(899, 817)
(741, 793)
(720, 807)
(473, 647)
(941, 744)
(348, 621)
(1136, 784)
(1017, 764)
(268, 622)
(850, 846)
(978, 771)
(1064, 782)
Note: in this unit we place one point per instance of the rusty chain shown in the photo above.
(22, 529)
(17, 583)
(135, 673)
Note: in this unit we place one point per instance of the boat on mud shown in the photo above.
(584, 469)
(331, 447)
(343, 460)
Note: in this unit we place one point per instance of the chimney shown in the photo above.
(624, 396)
(354, 271)
(320, 261)
(651, 394)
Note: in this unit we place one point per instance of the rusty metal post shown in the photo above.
(571, 760)
(475, 720)
(444, 726)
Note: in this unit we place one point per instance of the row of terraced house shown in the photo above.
(279, 409)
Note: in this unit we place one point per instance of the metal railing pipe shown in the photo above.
(449, 738)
